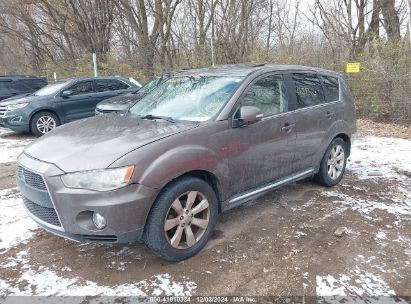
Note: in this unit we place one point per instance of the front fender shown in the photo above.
(181, 160)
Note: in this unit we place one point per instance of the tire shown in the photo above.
(159, 237)
(50, 121)
(324, 176)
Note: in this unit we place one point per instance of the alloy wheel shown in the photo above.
(187, 220)
(335, 163)
(45, 124)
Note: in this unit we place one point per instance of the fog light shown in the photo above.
(99, 221)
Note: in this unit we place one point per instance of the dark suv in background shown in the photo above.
(60, 102)
(202, 142)
(15, 85)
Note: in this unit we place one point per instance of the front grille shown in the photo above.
(30, 178)
(3, 110)
(45, 214)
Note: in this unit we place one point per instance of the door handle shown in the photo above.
(287, 127)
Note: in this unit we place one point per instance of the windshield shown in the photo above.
(150, 85)
(50, 89)
(192, 98)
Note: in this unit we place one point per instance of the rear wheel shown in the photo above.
(333, 164)
(182, 219)
(43, 122)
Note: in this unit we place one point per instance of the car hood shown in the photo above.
(96, 142)
(20, 99)
(122, 101)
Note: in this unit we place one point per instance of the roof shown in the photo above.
(244, 69)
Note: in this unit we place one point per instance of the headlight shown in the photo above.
(99, 180)
(16, 106)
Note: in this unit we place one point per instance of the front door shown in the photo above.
(79, 104)
(263, 152)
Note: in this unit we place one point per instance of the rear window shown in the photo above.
(332, 88)
(308, 89)
(104, 85)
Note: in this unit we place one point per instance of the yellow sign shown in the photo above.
(353, 67)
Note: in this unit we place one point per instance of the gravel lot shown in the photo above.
(284, 244)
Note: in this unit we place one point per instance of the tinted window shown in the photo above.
(308, 89)
(33, 84)
(4, 85)
(82, 88)
(104, 85)
(332, 88)
(268, 94)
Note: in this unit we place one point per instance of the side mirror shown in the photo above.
(247, 116)
(66, 93)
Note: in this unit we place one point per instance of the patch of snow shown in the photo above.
(381, 235)
(45, 282)
(381, 155)
(365, 207)
(11, 148)
(15, 225)
(357, 284)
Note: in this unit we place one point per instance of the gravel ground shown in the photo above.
(350, 240)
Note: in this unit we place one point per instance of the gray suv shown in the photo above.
(201, 143)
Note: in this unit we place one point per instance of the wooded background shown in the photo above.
(141, 38)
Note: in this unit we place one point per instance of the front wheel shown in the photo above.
(182, 219)
(43, 122)
(333, 164)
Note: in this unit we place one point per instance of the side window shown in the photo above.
(332, 88)
(5, 85)
(308, 89)
(104, 85)
(268, 94)
(82, 88)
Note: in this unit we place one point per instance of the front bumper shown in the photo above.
(15, 122)
(68, 212)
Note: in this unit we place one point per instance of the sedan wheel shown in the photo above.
(187, 220)
(335, 163)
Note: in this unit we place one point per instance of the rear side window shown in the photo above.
(268, 94)
(104, 85)
(82, 88)
(4, 85)
(308, 89)
(332, 88)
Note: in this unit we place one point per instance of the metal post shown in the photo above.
(95, 64)
(212, 35)
(55, 76)
(409, 19)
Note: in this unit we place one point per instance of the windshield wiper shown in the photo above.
(152, 117)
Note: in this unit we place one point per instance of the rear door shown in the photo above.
(313, 117)
(80, 104)
(262, 152)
